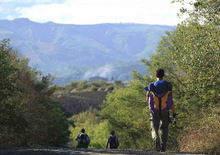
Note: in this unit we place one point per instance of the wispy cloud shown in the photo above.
(11, 7)
(98, 11)
(31, 1)
(104, 71)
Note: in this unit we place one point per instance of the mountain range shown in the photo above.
(79, 52)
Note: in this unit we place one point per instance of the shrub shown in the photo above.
(203, 135)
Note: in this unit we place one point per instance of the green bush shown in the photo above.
(28, 114)
(96, 128)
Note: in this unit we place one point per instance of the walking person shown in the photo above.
(83, 139)
(160, 102)
(112, 142)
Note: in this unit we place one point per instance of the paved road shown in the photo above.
(68, 151)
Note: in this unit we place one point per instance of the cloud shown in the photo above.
(101, 11)
(104, 71)
(11, 7)
(31, 1)
(6, 1)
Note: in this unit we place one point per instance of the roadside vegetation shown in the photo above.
(191, 56)
(29, 116)
(96, 128)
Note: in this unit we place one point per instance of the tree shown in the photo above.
(10, 111)
(96, 128)
(28, 113)
(205, 11)
(191, 56)
(125, 109)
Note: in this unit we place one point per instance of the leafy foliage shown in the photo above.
(96, 128)
(190, 56)
(203, 11)
(28, 114)
(193, 66)
(125, 109)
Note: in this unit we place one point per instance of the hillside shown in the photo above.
(70, 51)
(78, 97)
(82, 101)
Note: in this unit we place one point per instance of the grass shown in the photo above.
(202, 135)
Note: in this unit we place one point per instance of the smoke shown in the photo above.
(105, 71)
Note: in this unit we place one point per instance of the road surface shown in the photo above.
(73, 151)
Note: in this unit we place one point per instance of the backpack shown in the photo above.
(83, 140)
(160, 103)
(113, 141)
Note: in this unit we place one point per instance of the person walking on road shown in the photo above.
(112, 142)
(83, 139)
(160, 102)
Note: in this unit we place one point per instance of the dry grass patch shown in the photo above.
(202, 136)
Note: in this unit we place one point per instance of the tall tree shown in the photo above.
(28, 114)
(203, 11)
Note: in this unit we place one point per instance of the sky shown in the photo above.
(161, 12)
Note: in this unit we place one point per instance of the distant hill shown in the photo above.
(77, 97)
(72, 52)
